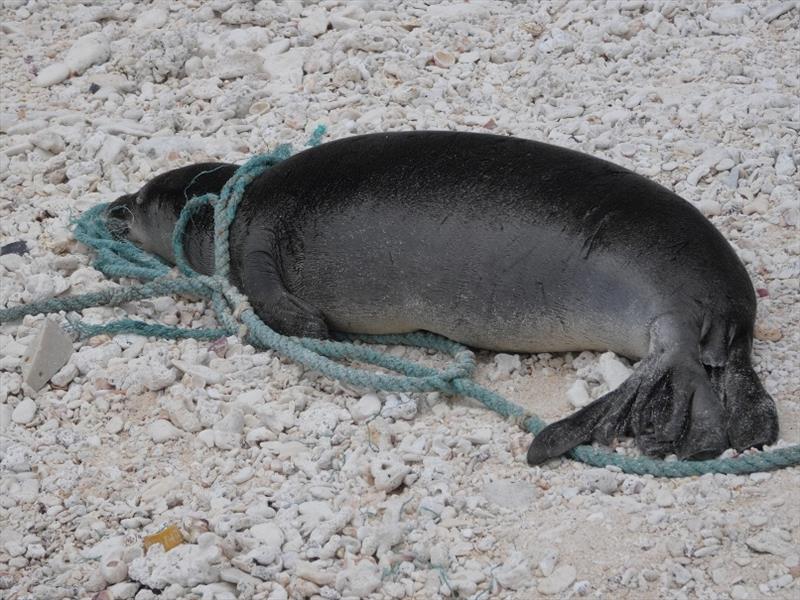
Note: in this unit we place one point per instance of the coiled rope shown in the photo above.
(120, 258)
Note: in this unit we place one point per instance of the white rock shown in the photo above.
(238, 64)
(225, 440)
(206, 89)
(439, 556)
(399, 406)
(548, 564)
(88, 358)
(360, 580)
(268, 534)
(207, 375)
(111, 151)
(729, 13)
(286, 68)
(578, 394)
(155, 18)
(161, 431)
(514, 574)
(91, 49)
(114, 424)
(320, 419)
(14, 548)
(207, 437)
(768, 542)
(187, 565)
(339, 22)
(252, 399)
(277, 47)
(113, 568)
(158, 377)
(664, 498)
(49, 141)
(314, 574)
(5, 417)
(504, 365)
(388, 472)
(233, 422)
(784, 165)
(104, 547)
(46, 355)
(558, 582)
(124, 590)
(24, 412)
(444, 59)
(367, 407)
(65, 375)
(260, 434)
(601, 480)
(615, 115)
(52, 74)
(613, 371)
(42, 286)
(480, 436)
(710, 208)
(181, 416)
(243, 475)
(697, 174)
(758, 206)
(158, 488)
(777, 10)
(316, 23)
(27, 127)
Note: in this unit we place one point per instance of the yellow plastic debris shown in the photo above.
(169, 537)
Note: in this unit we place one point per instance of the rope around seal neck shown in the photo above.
(120, 258)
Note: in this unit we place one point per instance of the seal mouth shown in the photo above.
(119, 216)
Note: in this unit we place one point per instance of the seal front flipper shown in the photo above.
(274, 304)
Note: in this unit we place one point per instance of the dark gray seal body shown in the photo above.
(504, 244)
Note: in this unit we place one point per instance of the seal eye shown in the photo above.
(139, 199)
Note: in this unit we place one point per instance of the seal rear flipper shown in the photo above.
(752, 416)
(603, 420)
(668, 405)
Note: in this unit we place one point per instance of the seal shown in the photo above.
(503, 244)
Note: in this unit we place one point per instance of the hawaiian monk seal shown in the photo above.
(499, 243)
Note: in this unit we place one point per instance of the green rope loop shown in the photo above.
(120, 258)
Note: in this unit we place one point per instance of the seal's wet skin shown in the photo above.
(503, 244)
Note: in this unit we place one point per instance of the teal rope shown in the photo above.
(120, 258)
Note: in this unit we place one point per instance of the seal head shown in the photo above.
(148, 217)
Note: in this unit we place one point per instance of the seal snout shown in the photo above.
(119, 215)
